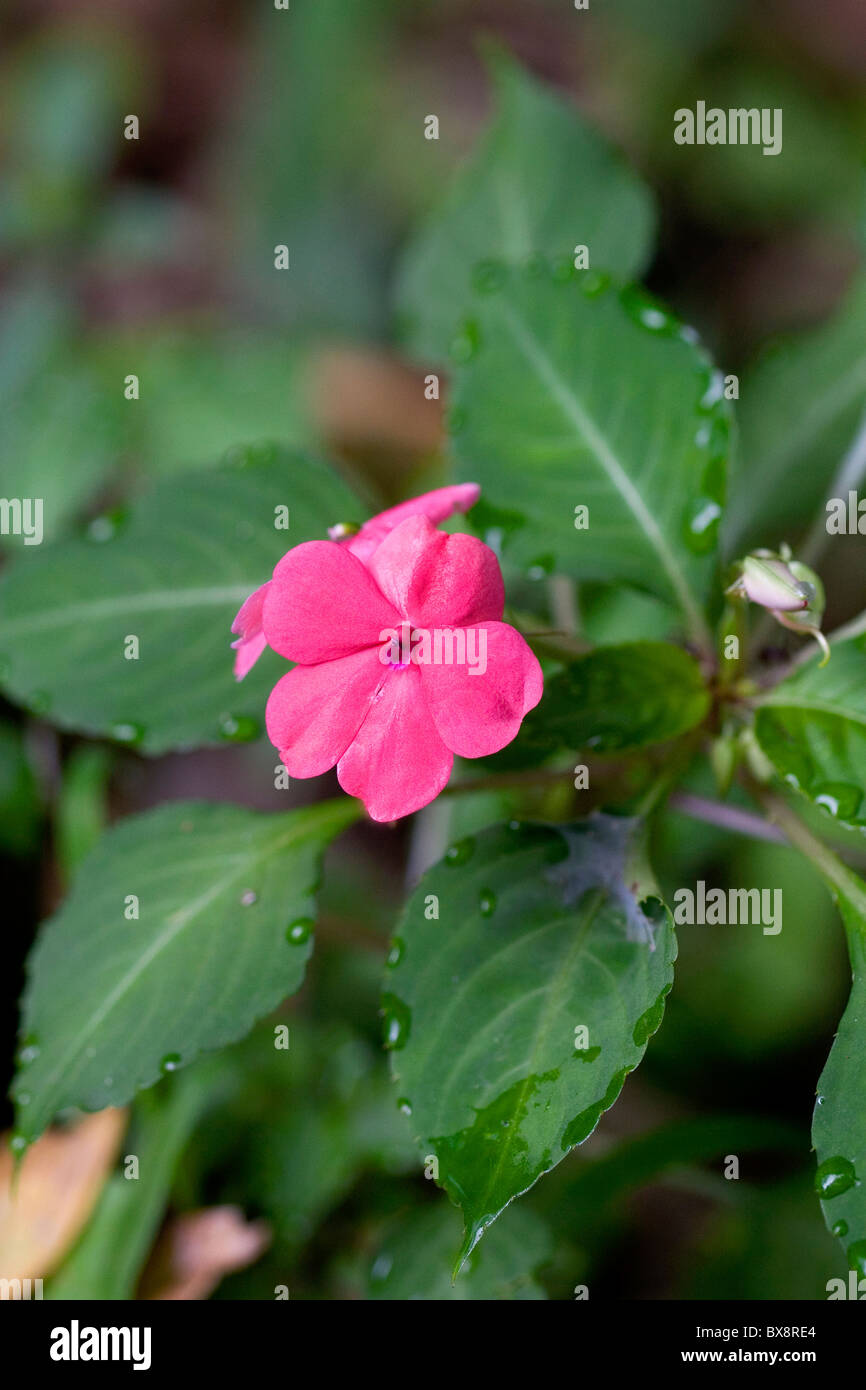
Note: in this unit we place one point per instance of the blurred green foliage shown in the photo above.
(156, 257)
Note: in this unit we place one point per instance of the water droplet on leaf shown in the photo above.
(396, 1022)
(239, 728)
(29, 1050)
(300, 931)
(466, 343)
(460, 851)
(129, 733)
(834, 1176)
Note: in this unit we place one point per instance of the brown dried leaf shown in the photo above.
(45, 1206)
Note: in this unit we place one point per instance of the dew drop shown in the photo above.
(239, 728)
(18, 1143)
(129, 733)
(834, 1176)
(840, 799)
(382, 1267)
(169, 1063)
(715, 390)
(29, 1050)
(300, 931)
(395, 953)
(460, 851)
(404, 1105)
(487, 903)
(840, 1228)
(540, 568)
(248, 898)
(594, 283)
(22, 1098)
(101, 529)
(701, 525)
(466, 343)
(645, 311)
(857, 1256)
(396, 1022)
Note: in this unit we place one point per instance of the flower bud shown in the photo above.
(768, 580)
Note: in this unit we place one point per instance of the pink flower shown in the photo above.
(391, 719)
(437, 506)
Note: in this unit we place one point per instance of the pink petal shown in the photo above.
(248, 623)
(436, 579)
(314, 712)
(397, 762)
(477, 714)
(322, 604)
(436, 506)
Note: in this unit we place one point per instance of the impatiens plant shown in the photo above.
(535, 663)
(386, 650)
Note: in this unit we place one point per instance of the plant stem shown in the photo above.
(732, 818)
(841, 881)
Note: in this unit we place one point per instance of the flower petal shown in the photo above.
(438, 580)
(436, 506)
(477, 714)
(322, 603)
(397, 762)
(248, 623)
(314, 712)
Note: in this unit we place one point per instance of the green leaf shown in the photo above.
(839, 1120)
(113, 1002)
(62, 431)
(812, 727)
(541, 930)
(324, 76)
(576, 395)
(800, 406)
(542, 181)
(413, 1260)
(617, 698)
(174, 576)
(202, 393)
